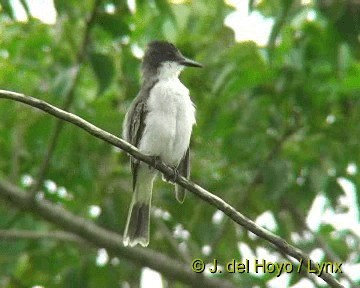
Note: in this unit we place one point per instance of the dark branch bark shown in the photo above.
(107, 239)
(190, 186)
(38, 235)
(256, 179)
(299, 219)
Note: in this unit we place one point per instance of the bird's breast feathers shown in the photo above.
(169, 121)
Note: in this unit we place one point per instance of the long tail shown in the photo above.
(138, 220)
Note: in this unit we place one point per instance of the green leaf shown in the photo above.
(61, 6)
(104, 70)
(5, 4)
(278, 178)
(165, 9)
(71, 278)
(63, 81)
(113, 24)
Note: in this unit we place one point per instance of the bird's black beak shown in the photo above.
(190, 63)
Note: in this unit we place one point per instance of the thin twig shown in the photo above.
(25, 5)
(255, 180)
(330, 254)
(280, 21)
(303, 270)
(200, 192)
(69, 97)
(185, 257)
(16, 137)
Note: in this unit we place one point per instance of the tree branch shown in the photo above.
(109, 240)
(68, 99)
(299, 218)
(37, 235)
(190, 186)
(256, 179)
(280, 21)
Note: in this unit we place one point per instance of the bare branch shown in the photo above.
(256, 179)
(107, 239)
(299, 218)
(36, 235)
(68, 99)
(190, 186)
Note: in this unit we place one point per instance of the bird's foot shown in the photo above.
(172, 178)
(156, 162)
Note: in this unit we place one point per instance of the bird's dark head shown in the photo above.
(162, 56)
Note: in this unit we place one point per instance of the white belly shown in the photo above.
(169, 121)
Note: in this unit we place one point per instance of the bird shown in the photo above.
(159, 123)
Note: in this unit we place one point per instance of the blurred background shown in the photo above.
(277, 133)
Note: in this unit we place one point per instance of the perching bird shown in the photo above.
(159, 123)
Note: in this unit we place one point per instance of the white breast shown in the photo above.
(169, 121)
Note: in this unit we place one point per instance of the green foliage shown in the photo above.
(103, 69)
(277, 126)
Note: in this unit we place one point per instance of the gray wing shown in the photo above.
(134, 123)
(184, 170)
(134, 126)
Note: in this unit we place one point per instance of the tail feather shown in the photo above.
(137, 227)
(180, 193)
(138, 222)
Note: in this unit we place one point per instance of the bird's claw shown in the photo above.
(172, 178)
(156, 162)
